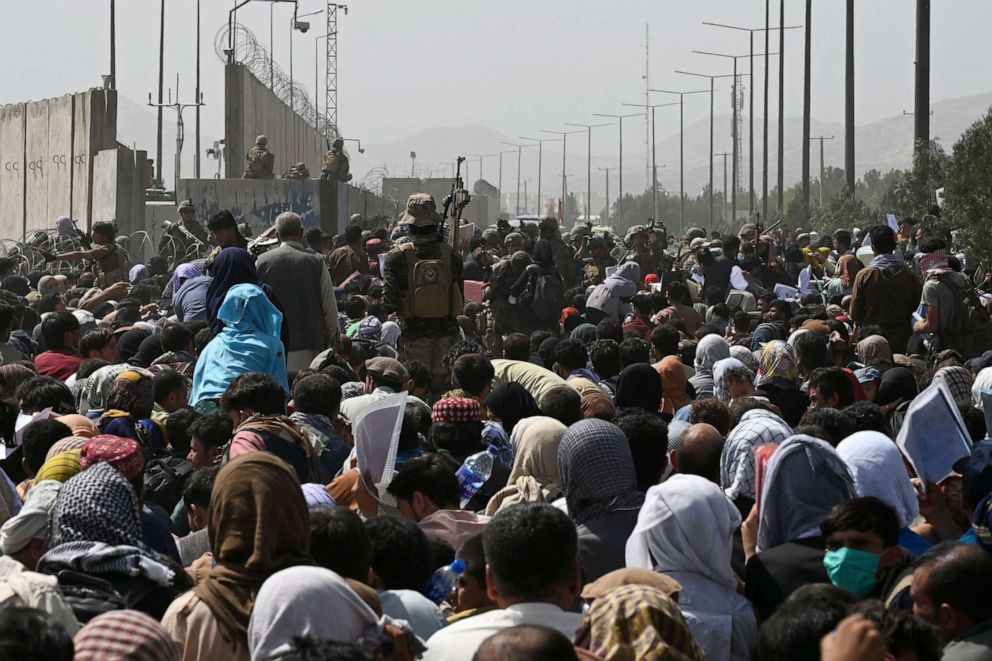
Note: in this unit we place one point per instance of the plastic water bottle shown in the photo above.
(474, 472)
(444, 581)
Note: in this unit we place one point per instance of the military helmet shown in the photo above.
(635, 229)
(421, 211)
(694, 233)
(261, 141)
(187, 205)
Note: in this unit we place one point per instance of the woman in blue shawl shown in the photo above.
(248, 342)
(233, 266)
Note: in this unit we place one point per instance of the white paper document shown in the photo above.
(933, 435)
(377, 435)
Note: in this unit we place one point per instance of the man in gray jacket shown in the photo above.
(302, 285)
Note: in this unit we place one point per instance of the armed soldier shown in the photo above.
(106, 256)
(261, 162)
(640, 250)
(423, 283)
(183, 234)
(336, 164)
(564, 257)
(596, 252)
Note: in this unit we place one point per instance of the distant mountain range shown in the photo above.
(883, 145)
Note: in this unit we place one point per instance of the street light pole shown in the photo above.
(499, 184)
(781, 109)
(607, 171)
(725, 154)
(589, 128)
(519, 149)
(620, 119)
(564, 146)
(821, 138)
(681, 149)
(540, 165)
(654, 160)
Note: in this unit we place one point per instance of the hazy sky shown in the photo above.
(516, 66)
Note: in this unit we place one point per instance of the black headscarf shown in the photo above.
(17, 284)
(511, 403)
(639, 386)
(130, 342)
(544, 257)
(896, 383)
(149, 349)
(233, 266)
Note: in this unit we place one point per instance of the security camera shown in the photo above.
(361, 150)
(303, 26)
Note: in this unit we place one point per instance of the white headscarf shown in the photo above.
(805, 479)
(390, 333)
(710, 349)
(720, 369)
(32, 522)
(982, 380)
(685, 525)
(876, 465)
(306, 601)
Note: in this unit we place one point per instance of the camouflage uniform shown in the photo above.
(174, 237)
(336, 165)
(424, 339)
(261, 161)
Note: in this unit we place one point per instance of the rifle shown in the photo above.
(458, 197)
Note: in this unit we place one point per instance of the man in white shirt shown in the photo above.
(532, 573)
(383, 376)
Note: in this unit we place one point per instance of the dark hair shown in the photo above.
(355, 307)
(39, 437)
(473, 373)
(54, 328)
(866, 514)
(307, 648)
(474, 555)
(167, 382)
(571, 354)
(536, 338)
(516, 346)
(40, 392)
(741, 406)
(843, 236)
(338, 542)
(902, 631)
(605, 358)
(317, 393)
(634, 350)
(176, 337)
(213, 430)
(49, 302)
(199, 486)
(712, 412)
(178, 429)
(259, 392)
(352, 233)
(738, 374)
(531, 548)
(609, 329)
(957, 574)
(95, 340)
(7, 314)
(677, 292)
(883, 239)
(109, 230)
(795, 629)
(665, 340)
(431, 475)
(867, 416)
(401, 556)
(643, 431)
(933, 245)
(89, 366)
(563, 403)
(836, 424)
(832, 381)
(29, 633)
(420, 373)
(201, 339)
(533, 642)
(731, 243)
(811, 348)
(223, 219)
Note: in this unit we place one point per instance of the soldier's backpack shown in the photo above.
(432, 293)
(971, 326)
(165, 479)
(548, 298)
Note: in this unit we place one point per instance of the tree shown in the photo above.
(968, 187)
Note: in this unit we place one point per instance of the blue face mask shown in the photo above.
(852, 570)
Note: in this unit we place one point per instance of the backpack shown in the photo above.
(89, 596)
(970, 332)
(431, 286)
(548, 298)
(165, 479)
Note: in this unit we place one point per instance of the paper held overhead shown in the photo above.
(933, 435)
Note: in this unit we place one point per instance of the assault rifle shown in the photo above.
(459, 198)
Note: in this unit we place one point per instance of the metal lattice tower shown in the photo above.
(331, 72)
(739, 103)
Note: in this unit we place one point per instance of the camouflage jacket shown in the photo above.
(261, 163)
(395, 285)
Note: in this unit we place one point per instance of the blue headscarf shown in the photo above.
(248, 342)
(233, 266)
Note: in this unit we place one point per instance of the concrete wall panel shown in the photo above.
(82, 170)
(36, 157)
(12, 171)
(59, 161)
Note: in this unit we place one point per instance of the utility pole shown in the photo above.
(654, 160)
(113, 46)
(620, 119)
(519, 149)
(648, 122)
(161, 83)
(564, 147)
(821, 138)
(764, 121)
(806, 106)
(540, 165)
(681, 149)
(607, 171)
(725, 154)
(499, 185)
(781, 109)
(849, 100)
(921, 132)
(196, 160)
(589, 128)
(180, 127)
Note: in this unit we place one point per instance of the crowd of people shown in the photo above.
(691, 446)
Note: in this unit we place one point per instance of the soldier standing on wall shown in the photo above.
(261, 162)
(423, 283)
(336, 165)
(106, 255)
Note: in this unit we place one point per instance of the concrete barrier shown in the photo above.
(59, 163)
(36, 158)
(12, 171)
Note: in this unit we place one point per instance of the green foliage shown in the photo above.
(968, 187)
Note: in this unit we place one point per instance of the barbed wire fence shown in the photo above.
(255, 57)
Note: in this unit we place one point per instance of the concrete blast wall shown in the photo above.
(118, 191)
(251, 109)
(47, 150)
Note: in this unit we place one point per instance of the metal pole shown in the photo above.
(499, 183)
(517, 212)
(161, 82)
(681, 162)
(540, 166)
(781, 108)
(849, 100)
(711, 146)
(196, 159)
(764, 121)
(589, 176)
(733, 167)
(113, 46)
(750, 146)
(806, 106)
(724, 214)
(564, 145)
(822, 171)
(654, 169)
(272, 47)
(620, 178)
(921, 132)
